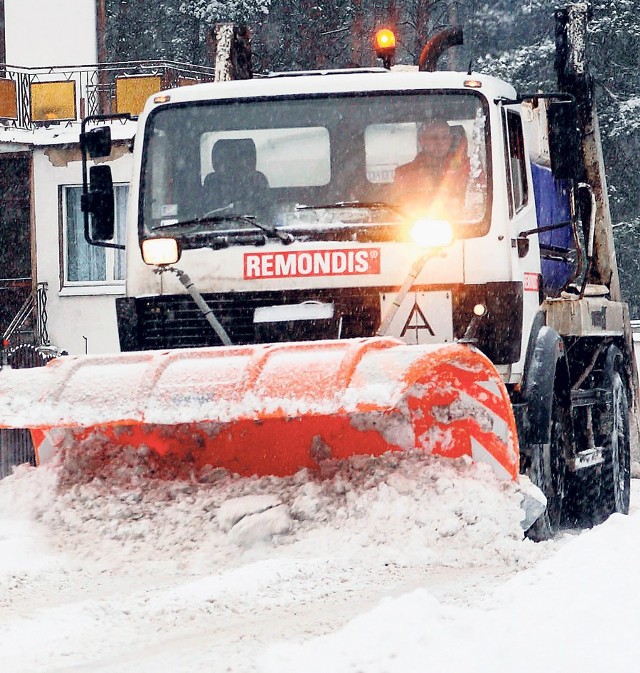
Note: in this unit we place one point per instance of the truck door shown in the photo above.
(522, 216)
(16, 276)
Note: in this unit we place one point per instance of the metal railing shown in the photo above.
(29, 325)
(21, 341)
(94, 90)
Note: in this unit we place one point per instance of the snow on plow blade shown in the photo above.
(271, 409)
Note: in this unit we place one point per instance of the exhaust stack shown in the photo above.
(437, 45)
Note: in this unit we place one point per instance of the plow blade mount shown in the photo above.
(271, 409)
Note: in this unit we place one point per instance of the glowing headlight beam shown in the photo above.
(160, 251)
(429, 233)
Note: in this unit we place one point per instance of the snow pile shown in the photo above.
(23, 548)
(118, 570)
(398, 509)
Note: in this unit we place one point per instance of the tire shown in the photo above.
(614, 434)
(548, 473)
(605, 489)
(582, 505)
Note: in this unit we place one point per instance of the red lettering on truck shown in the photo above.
(301, 263)
(531, 282)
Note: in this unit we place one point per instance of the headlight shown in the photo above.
(160, 251)
(432, 233)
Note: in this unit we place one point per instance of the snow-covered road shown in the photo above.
(395, 564)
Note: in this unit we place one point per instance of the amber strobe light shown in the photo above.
(385, 43)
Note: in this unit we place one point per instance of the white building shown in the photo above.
(65, 287)
(51, 33)
(82, 280)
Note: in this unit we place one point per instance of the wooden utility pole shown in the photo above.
(3, 40)
(224, 46)
(101, 28)
(101, 41)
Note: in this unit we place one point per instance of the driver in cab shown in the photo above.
(438, 175)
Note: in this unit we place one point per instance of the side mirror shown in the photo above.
(99, 203)
(564, 140)
(97, 142)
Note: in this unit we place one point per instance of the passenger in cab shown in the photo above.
(235, 184)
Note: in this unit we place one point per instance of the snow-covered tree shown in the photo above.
(140, 30)
(212, 11)
(513, 39)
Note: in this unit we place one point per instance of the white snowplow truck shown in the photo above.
(321, 264)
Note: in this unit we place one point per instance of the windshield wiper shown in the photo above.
(367, 205)
(284, 236)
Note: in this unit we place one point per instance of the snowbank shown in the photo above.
(115, 569)
(577, 611)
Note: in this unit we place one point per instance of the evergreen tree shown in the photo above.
(515, 41)
(139, 30)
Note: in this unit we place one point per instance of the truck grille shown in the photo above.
(176, 321)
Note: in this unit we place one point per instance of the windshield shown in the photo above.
(320, 163)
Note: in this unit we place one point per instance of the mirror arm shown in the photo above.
(87, 200)
(92, 241)
(542, 230)
(522, 97)
(522, 242)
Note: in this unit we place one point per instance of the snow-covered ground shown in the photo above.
(391, 565)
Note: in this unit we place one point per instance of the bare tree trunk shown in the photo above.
(454, 53)
(232, 52)
(423, 16)
(357, 31)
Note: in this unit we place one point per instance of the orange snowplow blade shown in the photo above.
(272, 409)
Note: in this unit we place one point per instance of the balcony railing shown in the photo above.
(29, 324)
(33, 97)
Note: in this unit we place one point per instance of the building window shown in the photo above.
(89, 264)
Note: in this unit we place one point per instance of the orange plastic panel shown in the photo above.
(8, 99)
(53, 101)
(132, 92)
(273, 409)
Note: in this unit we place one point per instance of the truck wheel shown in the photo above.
(548, 473)
(614, 435)
(606, 488)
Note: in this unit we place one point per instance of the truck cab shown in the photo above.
(287, 201)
